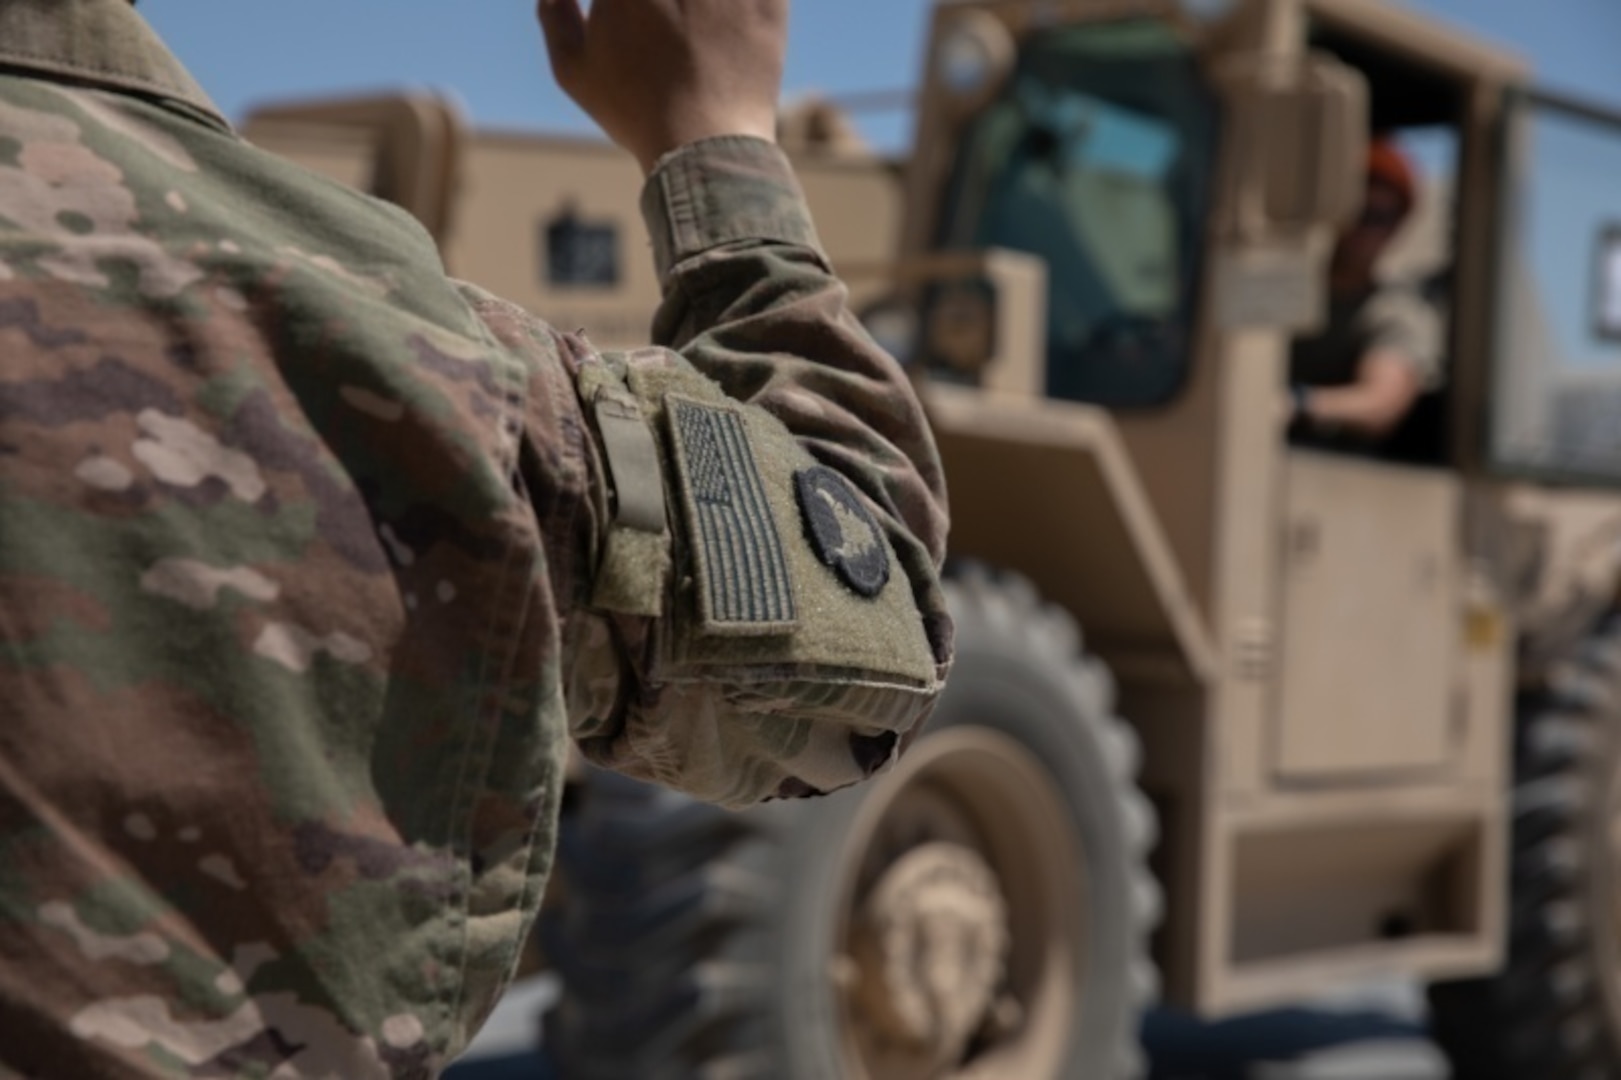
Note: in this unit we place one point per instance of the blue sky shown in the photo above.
(488, 52)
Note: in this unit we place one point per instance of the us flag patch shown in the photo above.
(743, 581)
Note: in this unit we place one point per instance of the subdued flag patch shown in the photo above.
(744, 585)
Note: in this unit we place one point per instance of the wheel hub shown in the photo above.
(963, 920)
(931, 949)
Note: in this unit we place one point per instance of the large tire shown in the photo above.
(697, 943)
(1554, 1012)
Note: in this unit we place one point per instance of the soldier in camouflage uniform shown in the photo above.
(311, 560)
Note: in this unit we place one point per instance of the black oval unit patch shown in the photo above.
(843, 532)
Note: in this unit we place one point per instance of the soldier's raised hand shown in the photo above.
(656, 74)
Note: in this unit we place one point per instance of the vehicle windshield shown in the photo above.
(1098, 157)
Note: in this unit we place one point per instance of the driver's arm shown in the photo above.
(1387, 384)
(1400, 360)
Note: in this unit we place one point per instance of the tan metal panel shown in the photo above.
(1319, 888)
(1372, 617)
(1049, 481)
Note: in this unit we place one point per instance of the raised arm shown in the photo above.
(763, 647)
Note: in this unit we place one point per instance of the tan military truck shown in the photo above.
(1315, 717)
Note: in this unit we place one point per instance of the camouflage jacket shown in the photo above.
(311, 560)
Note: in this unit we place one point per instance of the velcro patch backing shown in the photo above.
(744, 586)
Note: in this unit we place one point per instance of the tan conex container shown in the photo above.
(1370, 691)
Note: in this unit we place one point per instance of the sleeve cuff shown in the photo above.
(721, 191)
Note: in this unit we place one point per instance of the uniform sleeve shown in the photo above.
(1398, 320)
(789, 634)
(750, 300)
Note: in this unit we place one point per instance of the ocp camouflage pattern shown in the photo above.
(297, 539)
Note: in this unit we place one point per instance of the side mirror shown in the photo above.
(1294, 175)
(1299, 146)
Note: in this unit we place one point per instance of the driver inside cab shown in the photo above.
(1353, 382)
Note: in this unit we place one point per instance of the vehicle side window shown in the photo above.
(1557, 400)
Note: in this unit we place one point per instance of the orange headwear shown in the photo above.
(1387, 164)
